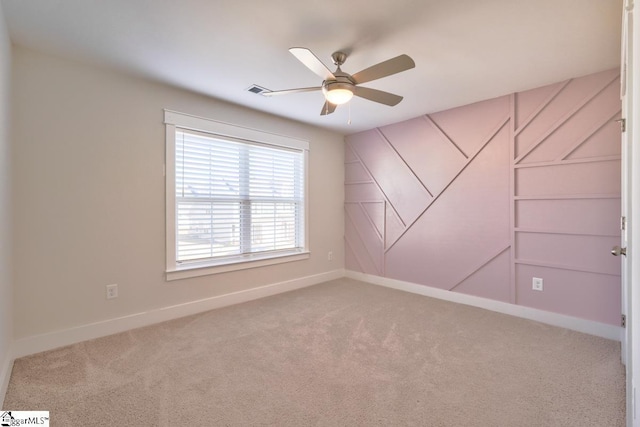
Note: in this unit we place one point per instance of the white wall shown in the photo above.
(88, 195)
(6, 303)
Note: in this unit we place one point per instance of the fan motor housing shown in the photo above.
(342, 81)
(333, 85)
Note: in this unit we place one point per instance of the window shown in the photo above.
(236, 197)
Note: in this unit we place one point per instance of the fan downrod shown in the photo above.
(339, 58)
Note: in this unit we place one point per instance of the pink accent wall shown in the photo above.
(482, 198)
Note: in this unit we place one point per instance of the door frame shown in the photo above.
(632, 333)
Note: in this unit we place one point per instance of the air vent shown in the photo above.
(257, 89)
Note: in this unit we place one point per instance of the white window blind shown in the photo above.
(236, 198)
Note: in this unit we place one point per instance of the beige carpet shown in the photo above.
(342, 353)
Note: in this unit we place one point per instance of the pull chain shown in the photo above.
(349, 121)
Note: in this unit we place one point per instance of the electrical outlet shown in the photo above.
(537, 284)
(112, 291)
(330, 256)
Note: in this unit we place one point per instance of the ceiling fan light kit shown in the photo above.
(338, 93)
(339, 87)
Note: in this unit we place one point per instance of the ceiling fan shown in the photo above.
(339, 87)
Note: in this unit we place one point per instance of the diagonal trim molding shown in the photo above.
(482, 264)
(349, 247)
(588, 134)
(362, 241)
(385, 198)
(541, 107)
(562, 120)
(384, 137)
(371, 221)
(492, 135)
(434, 125)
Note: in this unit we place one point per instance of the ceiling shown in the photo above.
(464, 50)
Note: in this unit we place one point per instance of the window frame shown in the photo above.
(174, 120)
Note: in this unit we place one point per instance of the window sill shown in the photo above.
(195, 270)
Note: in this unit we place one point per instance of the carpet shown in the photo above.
(341, 353)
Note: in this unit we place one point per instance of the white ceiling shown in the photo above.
(464, 50)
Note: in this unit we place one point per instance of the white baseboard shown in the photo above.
(38, 343)
(5, 376)
(49, 341)
(568, 322)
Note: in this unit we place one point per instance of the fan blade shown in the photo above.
(384, 69)
(312, 62)
(288, 91)
(328, 108)
(376, 95)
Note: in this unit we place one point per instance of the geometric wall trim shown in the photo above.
(481, 198)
